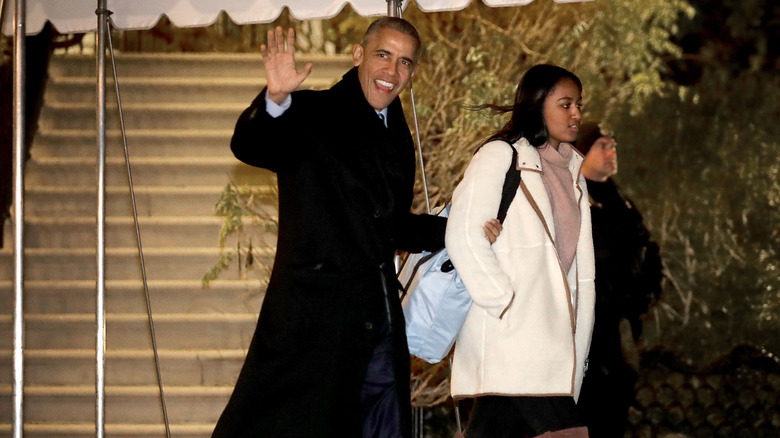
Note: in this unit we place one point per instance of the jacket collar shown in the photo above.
(528, 159)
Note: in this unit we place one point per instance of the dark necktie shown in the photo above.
(382, 118)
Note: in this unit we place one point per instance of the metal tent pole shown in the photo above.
(18, 183)
(394, 8)
(100, 313)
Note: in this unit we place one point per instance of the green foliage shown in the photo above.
(229, 208)
(702, 164)
(250, 217)
(733, 34)
(213, 273)
(477, 56)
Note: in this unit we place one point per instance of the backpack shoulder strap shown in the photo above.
(511, 183)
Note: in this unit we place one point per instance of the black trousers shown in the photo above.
(607, 393)
(380, 409)
(512, 417)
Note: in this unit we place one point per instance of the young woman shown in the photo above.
(522, 350)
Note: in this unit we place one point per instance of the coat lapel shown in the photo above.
(530, 164)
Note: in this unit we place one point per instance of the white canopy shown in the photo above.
(76, 16)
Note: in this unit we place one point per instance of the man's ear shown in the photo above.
(357, 55)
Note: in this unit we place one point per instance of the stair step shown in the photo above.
(124, 404)
(180, 111)
(87, 430)
(128, 296)
(176, 232)
(151, 201)
(131, 331)
(217, 65)
(148, 171)
(127, 367)
(140, 143)
(192, 90)
(206, 115)
(123, 263)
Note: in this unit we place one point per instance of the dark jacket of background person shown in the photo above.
(628, 280)
(345, 191)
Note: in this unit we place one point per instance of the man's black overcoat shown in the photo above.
(345, 191)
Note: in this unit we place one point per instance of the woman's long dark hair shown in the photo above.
(527, 118)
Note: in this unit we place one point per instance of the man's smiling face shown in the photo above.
(385, 65)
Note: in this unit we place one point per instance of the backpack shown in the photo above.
(434, 299)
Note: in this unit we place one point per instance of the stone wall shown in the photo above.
(737, 396)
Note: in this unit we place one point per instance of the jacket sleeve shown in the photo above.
(421, 232)
(264, 141)
(475, 200)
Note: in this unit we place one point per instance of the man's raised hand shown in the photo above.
(279, 62)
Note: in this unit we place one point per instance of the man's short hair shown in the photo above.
(398, 24)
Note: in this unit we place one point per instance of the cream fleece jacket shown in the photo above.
(529, 329)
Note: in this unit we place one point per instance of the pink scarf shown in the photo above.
(558, 183)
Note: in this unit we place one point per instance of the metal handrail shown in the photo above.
(138, 238)
(19, 124)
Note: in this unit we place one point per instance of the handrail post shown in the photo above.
(18, 184)
(100, 312)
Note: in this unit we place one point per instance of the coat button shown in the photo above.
(369, 326)
(377, 213)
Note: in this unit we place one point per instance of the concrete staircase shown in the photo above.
(179, 113)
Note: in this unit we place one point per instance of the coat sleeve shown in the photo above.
(475, 200)
(421, 232)
(264, 141)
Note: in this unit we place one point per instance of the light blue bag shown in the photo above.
(435, 300)
(438, 306)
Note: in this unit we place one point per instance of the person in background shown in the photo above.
(628, 280)
(521, 351)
